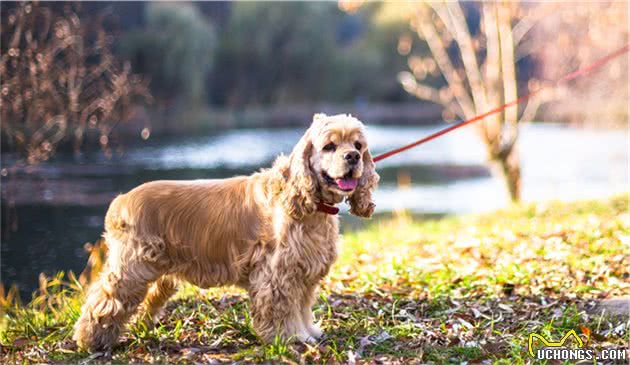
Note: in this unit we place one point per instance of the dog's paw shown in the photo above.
(307, 339)
(304, 336)
(315, 331)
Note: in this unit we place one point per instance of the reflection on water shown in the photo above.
(60, 205)
(447, 174)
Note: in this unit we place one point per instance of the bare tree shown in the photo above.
(573, 37)
(59, 79)
(479, 74)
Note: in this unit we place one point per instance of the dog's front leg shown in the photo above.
(277, 295)
(307, 313)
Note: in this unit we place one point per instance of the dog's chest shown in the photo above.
(317, 247)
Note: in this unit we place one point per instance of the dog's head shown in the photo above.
(329, 164)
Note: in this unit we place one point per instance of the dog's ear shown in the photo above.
(360, 201)
(319, 117)
(301, 185)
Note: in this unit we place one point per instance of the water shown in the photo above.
(60, 205)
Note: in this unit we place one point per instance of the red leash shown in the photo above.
(573, 75)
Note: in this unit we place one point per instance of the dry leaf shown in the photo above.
(506, 308)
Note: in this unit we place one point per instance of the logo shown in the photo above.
(556, 350)
(560, 343)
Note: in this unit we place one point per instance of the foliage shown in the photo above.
(59, 78)
(303, 51)
(176, 49)
(404, 291)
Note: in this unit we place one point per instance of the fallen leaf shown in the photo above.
(352, 357)
(381, 337)
(465, 323)
(21, 341)
(506, 308)
(475, 312)
(91, 357)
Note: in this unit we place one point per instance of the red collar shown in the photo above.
(328, 209)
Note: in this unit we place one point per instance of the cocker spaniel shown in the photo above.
(273, 233)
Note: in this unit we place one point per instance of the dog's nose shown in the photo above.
(352, 157)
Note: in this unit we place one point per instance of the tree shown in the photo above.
(59, 80)
(176, 50)
(275, 54)
(571, 37)
(477, 63)
(297, 52)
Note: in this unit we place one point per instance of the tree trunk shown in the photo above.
(508, 168)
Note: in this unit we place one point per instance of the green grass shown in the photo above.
(451, 290)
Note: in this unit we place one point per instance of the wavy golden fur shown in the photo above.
(262, 232)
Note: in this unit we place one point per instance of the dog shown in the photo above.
(273, 233)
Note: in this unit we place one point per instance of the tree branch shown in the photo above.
(491, 127)
(527, 22)
(529, 112)
(428, 93)
(469, 57)
(427, 28)
(507, 62)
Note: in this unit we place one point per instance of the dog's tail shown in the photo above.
(116, 219)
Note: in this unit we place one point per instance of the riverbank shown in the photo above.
(465, 288)
(180, 120)
(149, 122)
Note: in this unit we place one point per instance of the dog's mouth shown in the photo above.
(346, 183)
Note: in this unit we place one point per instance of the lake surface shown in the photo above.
(58, 206)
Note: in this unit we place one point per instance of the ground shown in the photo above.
(450, 290)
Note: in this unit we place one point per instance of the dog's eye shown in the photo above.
(358, 145)
(330, 147)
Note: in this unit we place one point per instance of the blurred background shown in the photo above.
(100, 97)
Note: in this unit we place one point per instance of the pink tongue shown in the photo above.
(347, 184)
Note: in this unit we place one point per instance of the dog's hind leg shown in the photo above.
(113, 299)
(158, 294)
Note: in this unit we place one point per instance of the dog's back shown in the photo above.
(199, 225)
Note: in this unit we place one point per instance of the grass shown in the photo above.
(451, 290)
